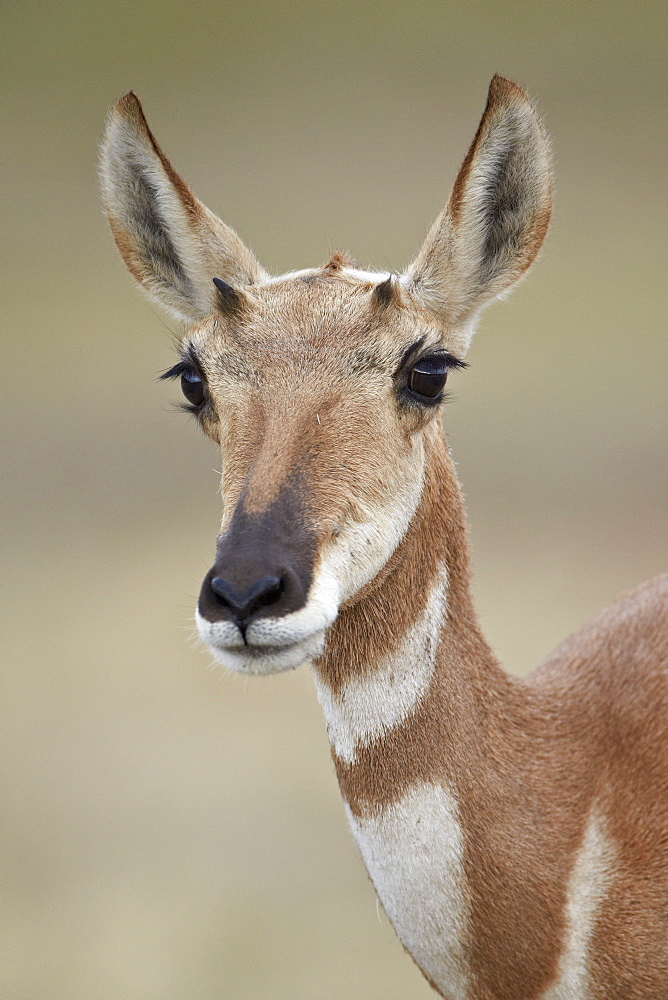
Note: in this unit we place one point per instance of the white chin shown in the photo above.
(261, 660)
(275, 644)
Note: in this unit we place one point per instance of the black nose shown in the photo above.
(264, 564)
(257, 592)
(244, 603)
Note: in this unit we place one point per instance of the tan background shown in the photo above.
(169, 832)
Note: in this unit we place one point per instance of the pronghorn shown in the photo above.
(516, 831)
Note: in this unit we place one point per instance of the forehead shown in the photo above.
(327, 319)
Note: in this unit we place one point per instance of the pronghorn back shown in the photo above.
(516, 830)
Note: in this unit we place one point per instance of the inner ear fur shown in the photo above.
(496, 217)
(172, 244)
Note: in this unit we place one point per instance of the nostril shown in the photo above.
(227, 596)
(223, 590)
(260, 594)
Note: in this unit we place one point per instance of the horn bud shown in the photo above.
(230, 301)
(387, 293)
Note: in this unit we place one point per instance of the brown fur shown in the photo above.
(528, 759)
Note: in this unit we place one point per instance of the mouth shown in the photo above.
(272, 645)
(249, 655)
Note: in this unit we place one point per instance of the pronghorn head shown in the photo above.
(321, 387)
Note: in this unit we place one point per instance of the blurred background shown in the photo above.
(170, 832)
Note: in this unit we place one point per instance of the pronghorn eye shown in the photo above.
(192, 387)
(427, 378)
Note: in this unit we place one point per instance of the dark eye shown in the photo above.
(427, 378)
(192, 387)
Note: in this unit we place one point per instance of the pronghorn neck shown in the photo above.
(412, 632)
(432, 744)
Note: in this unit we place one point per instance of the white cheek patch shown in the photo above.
(413, 851)
(366, 707)
(589, 881)
(362, 548)
(317, 615)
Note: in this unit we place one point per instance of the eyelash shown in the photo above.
(438, 359)
(441, 359)
(184, 368)
(179, 369)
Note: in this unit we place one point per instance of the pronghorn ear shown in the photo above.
(497, 215)
(173, 245)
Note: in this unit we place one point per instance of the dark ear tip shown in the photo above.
(501, 89)
(129, 104)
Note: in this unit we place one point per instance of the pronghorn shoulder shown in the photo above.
(626, 641)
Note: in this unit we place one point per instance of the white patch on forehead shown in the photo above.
(277, 279)
(590, 878)
(375, 277)
(368, 706)
(413, 851)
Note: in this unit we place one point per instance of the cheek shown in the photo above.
(375, 521)
(368, 459)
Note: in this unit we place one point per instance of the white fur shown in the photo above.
(277, 279)
(203, 244)
(367, 706)
(375, 277)
(413, 851)
(589, 880)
